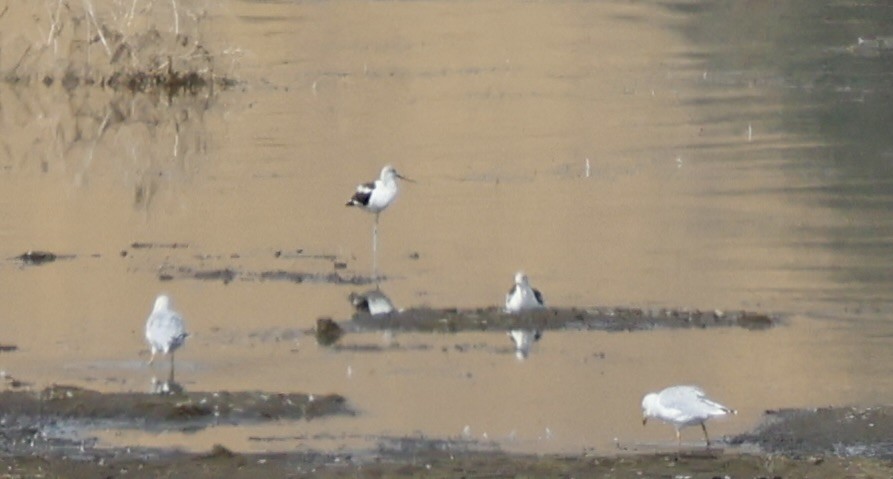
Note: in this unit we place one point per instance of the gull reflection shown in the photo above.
(169, 387)
(523, 340)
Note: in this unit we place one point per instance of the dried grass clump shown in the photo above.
(134, 45)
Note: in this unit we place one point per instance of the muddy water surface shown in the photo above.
(713, 183)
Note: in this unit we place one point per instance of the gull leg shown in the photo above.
(151, 358)
(678, 439)
(375, 249)
(705, 434)
(170, 378)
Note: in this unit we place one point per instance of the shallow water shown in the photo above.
(734, 163)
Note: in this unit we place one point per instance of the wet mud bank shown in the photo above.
(848, 432)
(375, 312)
(175, 410)
(822, 443)
(433, 462)
(601, 319)
(57, 420)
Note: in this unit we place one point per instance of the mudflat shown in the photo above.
(688, 199)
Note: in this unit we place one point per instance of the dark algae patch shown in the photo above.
(327, 331)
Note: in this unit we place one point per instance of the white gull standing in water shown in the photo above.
(522, 297)
(375, 197)
(682, 406)
(165, 330)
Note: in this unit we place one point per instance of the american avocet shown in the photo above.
(683, 406)
(524, 339)
(522, 297)
(165, 330)
(375, 197)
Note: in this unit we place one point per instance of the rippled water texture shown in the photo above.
(711, 155)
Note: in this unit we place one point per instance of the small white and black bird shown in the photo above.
(522, 297)
(523, 340)
(165, 330)
(373, 302)
(682, 406)
(375, 197)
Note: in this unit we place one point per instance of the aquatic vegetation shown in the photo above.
(119, 46)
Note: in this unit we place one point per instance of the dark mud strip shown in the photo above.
(606, 319)
(826, 443)
(36, 258)
(149, 245)
(228, 275)
(46, 431)
(300, 254)
(219, 462)
(173, 411)
(845, 432)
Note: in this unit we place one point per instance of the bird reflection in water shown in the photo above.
(169, 387)
(523, 340)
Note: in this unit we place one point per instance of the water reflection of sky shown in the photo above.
(799, 70)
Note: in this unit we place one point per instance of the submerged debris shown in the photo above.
(327, 331)
(228, 275)
(301, 277)
(36, 258)
(168, 80)
(13, 382)
(219, 451)
(149, 245)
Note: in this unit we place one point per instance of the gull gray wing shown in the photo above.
(691, 401)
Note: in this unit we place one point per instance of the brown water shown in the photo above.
(715, 181)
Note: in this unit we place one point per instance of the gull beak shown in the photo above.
(405, 178)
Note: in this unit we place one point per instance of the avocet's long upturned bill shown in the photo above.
(375, 197)
(682, 406)
(522, 297)
(165, 330)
